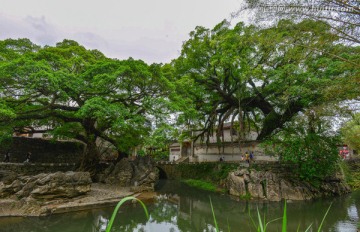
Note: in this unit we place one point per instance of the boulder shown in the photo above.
(7, 176)
(48, 186)
(236, 185)
(272, 186)
(119, 174)
(140, 174)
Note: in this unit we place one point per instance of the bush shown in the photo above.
(314, 156)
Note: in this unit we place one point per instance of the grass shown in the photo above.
(246, 196)
(208, 186)
(260, 226)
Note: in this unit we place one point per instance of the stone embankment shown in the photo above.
(268, 185)
(272, 181)
(30, 169)
(59, 192)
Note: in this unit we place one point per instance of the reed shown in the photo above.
(110, 224)
(260, 226)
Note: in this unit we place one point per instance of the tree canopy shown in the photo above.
(342, 16)
(259, 79)
(72, 92)
(262, 77)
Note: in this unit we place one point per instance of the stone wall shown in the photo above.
(43, 150)
(210, 171)
(34, 169)
(180, 171)
(271, 181)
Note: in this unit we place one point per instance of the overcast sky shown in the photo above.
(151, 30)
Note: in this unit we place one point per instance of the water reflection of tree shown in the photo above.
(187, 213)
(130, 218)
(164, 211)
(195, 215)
(80, 222)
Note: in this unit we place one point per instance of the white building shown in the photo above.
(226, 146)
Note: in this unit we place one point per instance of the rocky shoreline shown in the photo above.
(271, 186)
(100, 196)
(60, 192)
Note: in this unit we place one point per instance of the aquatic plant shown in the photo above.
(130, 198)
(260, 226)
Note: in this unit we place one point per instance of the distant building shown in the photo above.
(227, 146)
(32, 132)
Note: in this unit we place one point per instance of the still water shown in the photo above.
(182, 208)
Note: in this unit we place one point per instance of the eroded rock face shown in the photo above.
(140, 174)
(270, 186)
(47, 186)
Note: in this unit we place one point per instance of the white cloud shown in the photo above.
(149, 30)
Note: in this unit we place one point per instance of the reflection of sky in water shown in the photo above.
(349, 225)
(151, 225)
(210, 228)
(353, 213)
(171, 225)
(191, 212)
(101, 223)
(345, 227)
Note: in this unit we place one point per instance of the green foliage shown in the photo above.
(351, 171)
(284, 219)
(79, 94)
(222, 171)
(5, 138)
(6, 113)
(212, 172)
(246, 196)
(351, 132)
(262, 78)
(306, 142)
(159, 140)
(315, 156)
(201, 184)
(323, 219)
(341, 20)
(141, 153)
(261, 224)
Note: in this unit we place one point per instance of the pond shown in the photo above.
(183, 208)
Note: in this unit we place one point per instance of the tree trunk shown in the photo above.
(90, 159)
(275, 121)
